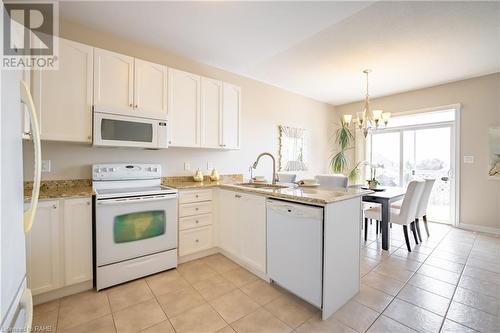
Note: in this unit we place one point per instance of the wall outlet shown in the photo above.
(187, 166)
(45, 165)
(210, 165)
(469, 159)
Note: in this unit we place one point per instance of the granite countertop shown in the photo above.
(53, 189)
(314, 195)
(187, 182)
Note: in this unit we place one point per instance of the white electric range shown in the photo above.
(135, 224)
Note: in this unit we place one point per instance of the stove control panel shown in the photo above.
(125, 171)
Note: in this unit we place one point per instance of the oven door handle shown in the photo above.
(107, 202)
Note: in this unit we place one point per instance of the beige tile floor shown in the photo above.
(450, 283)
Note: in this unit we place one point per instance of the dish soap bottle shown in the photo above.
(198, 176)
(214, 175)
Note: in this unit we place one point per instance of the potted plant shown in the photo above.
(373, 182)
(339, 162)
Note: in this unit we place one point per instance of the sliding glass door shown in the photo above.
(422, 151)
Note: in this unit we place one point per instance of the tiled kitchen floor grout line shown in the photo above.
(456, 287)
(161, 307)
(395, 296)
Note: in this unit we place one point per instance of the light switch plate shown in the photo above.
(468, 159)
(187, 166)
(209, 165)
(45, 165)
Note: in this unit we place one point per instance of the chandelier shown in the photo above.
(367, 119)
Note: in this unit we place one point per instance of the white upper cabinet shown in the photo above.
(63, 97)
(77, 240)
(231, 116)
(150, 89)
(211, 113)
(113, 82)
(184, 108)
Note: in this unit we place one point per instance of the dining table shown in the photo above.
(385, 196)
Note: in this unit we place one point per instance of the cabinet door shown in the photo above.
(211, 111)
(226, 228)
(150, 89)
(77, 240)
(63, 97)
(231, 116)
(252, 230)
(43, 249)
(184, 108)
(113, 82)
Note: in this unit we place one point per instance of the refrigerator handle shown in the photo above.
(29, 214)
(26, 303)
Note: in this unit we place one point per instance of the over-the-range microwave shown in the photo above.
(126, 131)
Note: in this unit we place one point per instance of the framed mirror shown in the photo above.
(292, 149)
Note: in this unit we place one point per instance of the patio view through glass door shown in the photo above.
(403, 153)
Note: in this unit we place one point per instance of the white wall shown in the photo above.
(263, 108)
(480, 109)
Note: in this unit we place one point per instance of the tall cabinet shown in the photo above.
(63, 97)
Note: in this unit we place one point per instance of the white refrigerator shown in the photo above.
(16, 308)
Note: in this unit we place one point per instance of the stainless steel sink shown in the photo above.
(262, 185)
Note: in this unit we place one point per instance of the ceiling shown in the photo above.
(316, 49)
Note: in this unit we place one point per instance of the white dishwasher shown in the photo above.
(295, 248)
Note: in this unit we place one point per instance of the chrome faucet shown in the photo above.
(274, 164)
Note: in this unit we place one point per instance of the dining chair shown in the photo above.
(406, 214)
(286, 177)
(422, 206)
(421, 212)
(334, 180)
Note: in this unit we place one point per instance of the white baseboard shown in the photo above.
(251, 269)
(197, 255)
(62, 292)
(479, 228)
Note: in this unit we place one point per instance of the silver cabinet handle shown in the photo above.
(136, 106)
(237, 196)
(197, 221)
(54, 206)
(196, 196)
(197, 241)
(131, 105)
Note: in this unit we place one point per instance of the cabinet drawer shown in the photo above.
(195, 208)
(195, 221)
(194, 240)
(195, 196)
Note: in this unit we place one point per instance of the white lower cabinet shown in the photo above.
(59, 246)
(43, 249)
(77, 225)
(242, 227)
(195, 221)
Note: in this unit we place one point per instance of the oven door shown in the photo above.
(133, 227)
(124, 131)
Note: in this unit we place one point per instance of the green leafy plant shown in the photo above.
(339, 162)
